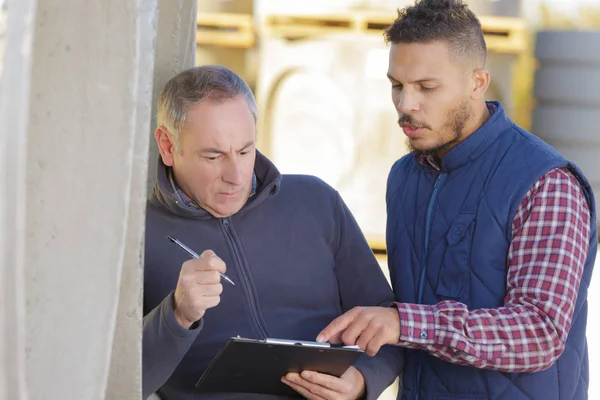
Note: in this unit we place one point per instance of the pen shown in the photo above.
(195, 255)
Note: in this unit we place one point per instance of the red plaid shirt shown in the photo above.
(550, 239)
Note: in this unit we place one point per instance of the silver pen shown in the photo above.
(195, 255)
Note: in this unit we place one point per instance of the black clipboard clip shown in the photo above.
(310, 344)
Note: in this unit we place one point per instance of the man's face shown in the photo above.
(217, 155)
(431, 94)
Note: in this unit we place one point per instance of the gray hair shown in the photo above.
(194, 86)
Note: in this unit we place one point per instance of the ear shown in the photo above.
(165, 146)
(481, 81)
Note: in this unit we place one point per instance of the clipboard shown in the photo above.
(256, 366)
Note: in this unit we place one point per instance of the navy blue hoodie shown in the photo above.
(298, 259)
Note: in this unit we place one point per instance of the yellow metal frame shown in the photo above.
(225, 30)
(502, 34)
(377, 243)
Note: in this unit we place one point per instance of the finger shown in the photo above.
(206, 263)
(215, 263)
(214, 289)
(302, 391)
(207, 253)
(329, 382)
(305, 380)
(383, 328)
(197, 265)
(332, 332)
(208, 301)
(207, 277)
(298, 384)
(386, 332)
(355, 329)
(375, 344)
(366, 337)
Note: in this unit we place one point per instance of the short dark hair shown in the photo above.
(450, 21)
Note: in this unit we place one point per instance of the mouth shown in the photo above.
(230, 194)
(412, 131)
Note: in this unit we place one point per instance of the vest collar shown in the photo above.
(479, 141)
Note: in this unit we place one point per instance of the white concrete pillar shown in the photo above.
(175, 52)
(125, 367)
(171, 52)
(89, 92)
(16, 29)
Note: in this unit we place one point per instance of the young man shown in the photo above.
(491, 233)
(295, 253)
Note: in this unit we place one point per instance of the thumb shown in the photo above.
(207, 253)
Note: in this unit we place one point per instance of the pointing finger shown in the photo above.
(332, 332)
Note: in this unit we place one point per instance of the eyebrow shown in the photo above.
(217, 151)
(426, 79)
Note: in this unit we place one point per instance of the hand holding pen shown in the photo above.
(198, 287)
(195, 255)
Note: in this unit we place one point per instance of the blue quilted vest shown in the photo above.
(448, 236)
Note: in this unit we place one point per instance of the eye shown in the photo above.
(211, 158)
(397, 86)
(244, 152)
(427, 88)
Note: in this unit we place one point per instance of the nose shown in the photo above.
(406, 102)
(232, 172)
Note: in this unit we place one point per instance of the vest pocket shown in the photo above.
(454, 272)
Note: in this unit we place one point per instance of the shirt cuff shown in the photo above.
(417, 323)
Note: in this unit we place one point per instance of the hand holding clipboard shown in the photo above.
(257, 366)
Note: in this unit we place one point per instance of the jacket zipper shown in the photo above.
(246, 286)
(432, 201)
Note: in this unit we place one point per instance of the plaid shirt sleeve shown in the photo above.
(551, 232)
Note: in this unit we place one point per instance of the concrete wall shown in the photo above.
(169, 53)
(125, 367)
(175, 51)
(77, 95)
(88, 91)
(16, 27)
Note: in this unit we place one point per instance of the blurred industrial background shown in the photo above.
(79, 81)
(318, 70)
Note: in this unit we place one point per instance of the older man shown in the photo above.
(294, 251)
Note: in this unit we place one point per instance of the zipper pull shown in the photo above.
(226, 222)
